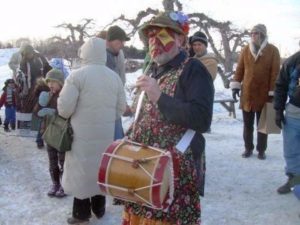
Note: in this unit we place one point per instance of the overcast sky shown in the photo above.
(36, 18)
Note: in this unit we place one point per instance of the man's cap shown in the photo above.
(116, 33)
(176, 21)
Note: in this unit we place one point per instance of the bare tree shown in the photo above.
(68, 46)
(79, 31)
(169, 5)
(231, 40)
(134, 24)
(22, 40)
(62, 47)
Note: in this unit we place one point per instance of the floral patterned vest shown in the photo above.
(151, 127)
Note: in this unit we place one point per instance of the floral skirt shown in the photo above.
(185, 208)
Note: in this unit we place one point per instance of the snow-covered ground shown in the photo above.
(238, 191)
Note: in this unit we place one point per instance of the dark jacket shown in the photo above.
(286, 83)
(192, 104)
(39, 66)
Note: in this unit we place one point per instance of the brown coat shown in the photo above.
(257, 76)
(210, 62)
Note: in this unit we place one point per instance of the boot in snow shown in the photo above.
(6, 129)
(13, 126)
(247, 153)
(76, 221)
(53, 189)
(60, 192)
(261, 155)
(286, 188)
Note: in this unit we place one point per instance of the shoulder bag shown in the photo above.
(59, 133)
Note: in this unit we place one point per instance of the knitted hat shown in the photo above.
(176, 21)
(199, 36)
(116, 33)
(55, 75)
(261, 28)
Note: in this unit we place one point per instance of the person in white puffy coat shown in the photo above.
(93, 97)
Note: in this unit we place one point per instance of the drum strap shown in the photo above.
(185, 141)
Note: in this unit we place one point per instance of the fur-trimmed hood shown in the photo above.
(259, 52)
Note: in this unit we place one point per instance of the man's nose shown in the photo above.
(155, 41)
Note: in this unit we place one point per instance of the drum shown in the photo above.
(136, 173)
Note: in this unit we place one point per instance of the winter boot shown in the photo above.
(98, 203)
(40, 144)
(60, 193)
(100, 213)
(76, 221)
(261, 155)
(53, 189)
(6, 129)
(13, 126)
(286, 188)
(247, 153)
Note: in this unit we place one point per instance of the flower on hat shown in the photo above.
(181, 19)
(176, 21)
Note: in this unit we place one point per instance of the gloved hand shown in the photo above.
(235, 93)
(279, 118)
(44, 98)
(46, 111)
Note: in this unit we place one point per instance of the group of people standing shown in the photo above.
(179, 94)
(35, 85)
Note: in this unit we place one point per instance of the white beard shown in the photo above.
(162, 58)
(165, 57)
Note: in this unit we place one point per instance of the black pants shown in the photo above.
(262, 139)
(56, 164)
(82, 207)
